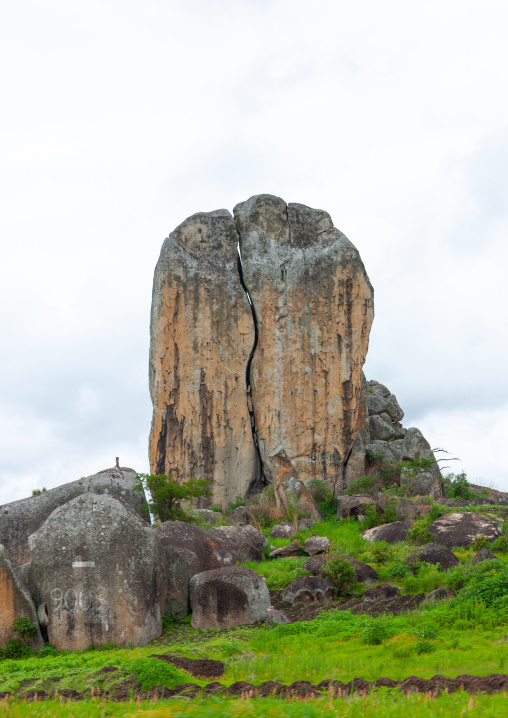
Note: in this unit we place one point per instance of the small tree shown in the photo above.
(167, 494)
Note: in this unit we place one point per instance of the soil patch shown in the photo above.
(298, 612)
(199, 667)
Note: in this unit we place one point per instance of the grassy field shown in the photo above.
(468, 634)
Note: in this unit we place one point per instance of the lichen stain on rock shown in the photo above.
(202, 334)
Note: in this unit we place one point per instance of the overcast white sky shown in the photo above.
(119, 119)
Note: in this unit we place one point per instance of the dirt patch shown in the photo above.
(199, 667)
(396, 605)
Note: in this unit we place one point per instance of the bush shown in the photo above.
(362, 485)
(398, 569)
(500, 544)
(151, 672)
(420, 533)
(339, 570)
(318, 490)
(48, 650)
(375, 633)
(167, 494)
(479, 543)
(24, 627)
(487, 583)
(16, 649)
(456, 486)
(424, 647)
(239, 501)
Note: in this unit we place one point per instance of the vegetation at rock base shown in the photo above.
(166, 495)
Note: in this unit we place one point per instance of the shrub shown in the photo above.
(420, 533)
(239, 501)
(339, 570)
(317, 489)
(217, 507)
(456, 486)
(398, 569)
(362, 485)
(48, 650)
(435, 512)
(16, 649)
(424, 647)
(24, 627)
(375, 633)
(379, 555)
(500, 544)
(487, 583)
(167, 494)
(480, 542)
(152, 672)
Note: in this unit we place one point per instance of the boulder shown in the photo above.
(381, 592)
(484, 555)
(316, 544)
(438, 595)
(391, 533)
(207, 516)
(292, 549)
(381, 401)
(99, 570)
(354, 506)
(15, 602)
(305, 524)
(246, 541)
(363, 572)
(227, 597)
(201, 338)
(282, 531)
(21, 518)
(380, 429)
(189, 550)
(313, 304)
(242, 516)
(461, 529)
(434, 554)
(424, 484)
(378, 450)
(309, 590)
(275, 617)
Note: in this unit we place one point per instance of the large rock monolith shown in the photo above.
(98, 569)
(21, 518)
(201, 339)
(15, 602)
(313, 304)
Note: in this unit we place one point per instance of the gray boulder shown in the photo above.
(309, 590)
(381, 593)
(207, 516)
(275, 617)
(246, 541)
(189, 550)
(378, 450)
(380, 429)
(21, 518)
(15, 602)
(316, 544)
(381, 401)
(99, 570)
(227, 597)
(434, 554)
(292, 549)
(363, 572)
(438, 595)
(282, 531)
(391, 533)
(484, 555)
(305, 524)
(242, 516)
(461, 529)
(354, 506)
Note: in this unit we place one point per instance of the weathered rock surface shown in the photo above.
(313, 304)
(309, 590)
(354, 506)
(363, 572)
(189, 550)
(282, 531)
(292, 549)
(207, 516)
(21, 518)
(246, 541)
(201, 338)
(438, 595)
(484, 555)
(226, 597)
(391, 533)
(381, 593)
(98, 568)
(305, 524)
(461, 529)
(434, 554)
(381, 401)
(15, 602)
(316, 544)
(242, 516)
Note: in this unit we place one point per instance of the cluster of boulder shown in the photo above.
(84, 565)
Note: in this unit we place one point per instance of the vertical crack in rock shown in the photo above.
(259, 481)
(201, 339)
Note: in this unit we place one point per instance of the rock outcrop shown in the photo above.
(15, 602)
(98, 569)
(434, 554)
(313, 305)
(309, 590)
(248, 389)
(201, 338)
(461, 529)
(226, 597)
(247, 542)
(391, 533)
(21, 518)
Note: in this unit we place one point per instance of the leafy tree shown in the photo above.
(167, 494)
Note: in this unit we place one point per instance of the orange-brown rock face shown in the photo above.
(313, 304)
(202, 335)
